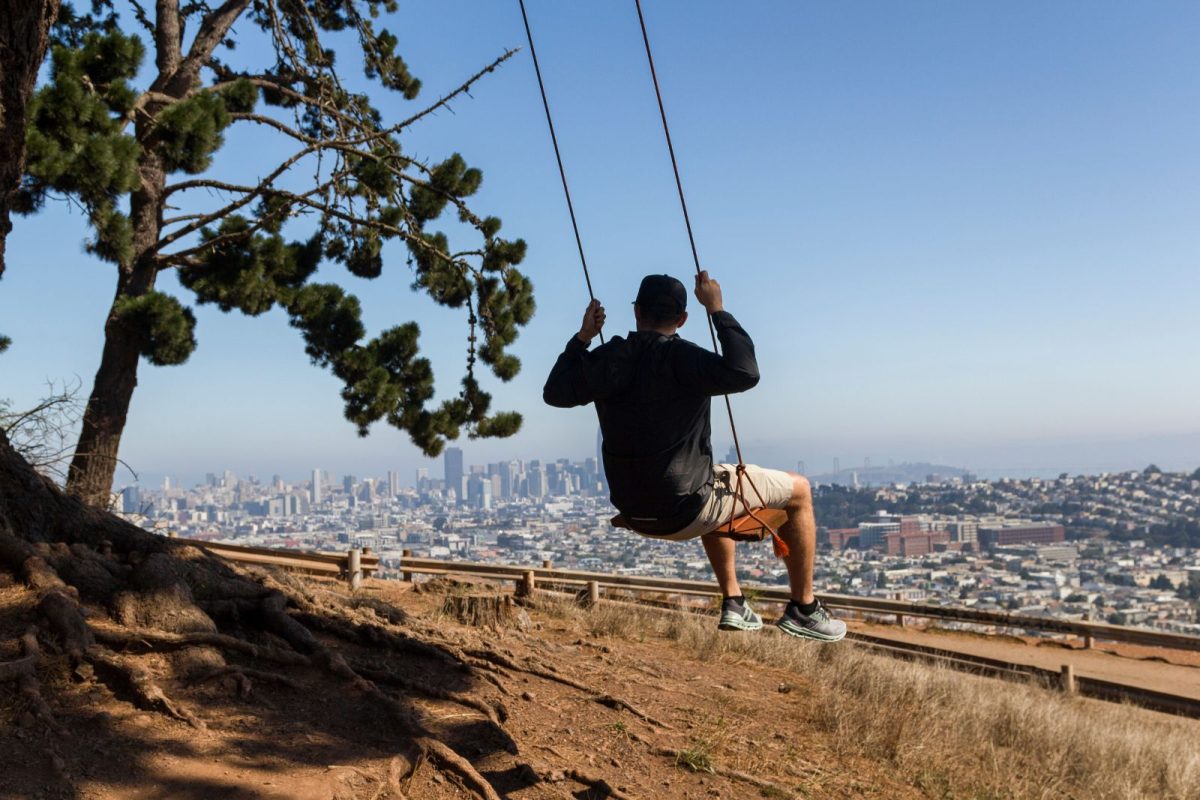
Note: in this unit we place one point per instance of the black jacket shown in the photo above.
(652, 396)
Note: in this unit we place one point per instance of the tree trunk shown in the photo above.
(94, 463)
(24, 36)
(90, 477)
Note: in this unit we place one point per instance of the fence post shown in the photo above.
(528, 583)
(593, 593)
(900, 620)
(1089, 642)
(406, 553)
(1067, 678)
(547, 564)
(355, 569)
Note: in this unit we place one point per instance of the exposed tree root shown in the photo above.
(602, 786)
(169, 596)
(57, 602)
(497, 714)
(446, 759)
(26, 665)
(138, 640)
(376, 636)
(540, 671)
(623, 705)
(137, 680)
(400, 769)
(244, 677)
(24, 672)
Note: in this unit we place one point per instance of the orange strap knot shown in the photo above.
(777, 543)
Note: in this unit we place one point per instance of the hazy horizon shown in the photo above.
(1177, 455)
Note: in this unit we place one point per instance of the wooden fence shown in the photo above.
(1090, 632)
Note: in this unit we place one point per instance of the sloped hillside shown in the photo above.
(548, 700)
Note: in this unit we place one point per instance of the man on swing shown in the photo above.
(652, 393)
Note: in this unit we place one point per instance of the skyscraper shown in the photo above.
(316, 487)
(536, 477)
(600, 459)
(131, 500)
(393, 483)
(452, 471)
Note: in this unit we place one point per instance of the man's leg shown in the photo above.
(721, 555)
(804, 616)
(800, 533)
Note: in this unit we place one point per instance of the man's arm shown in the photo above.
(736, 368)
(567, 385)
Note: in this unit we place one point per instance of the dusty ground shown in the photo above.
(699, 729)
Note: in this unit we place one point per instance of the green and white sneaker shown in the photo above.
(818, 625)
(737, 616)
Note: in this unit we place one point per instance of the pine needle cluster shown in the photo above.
(130, 142)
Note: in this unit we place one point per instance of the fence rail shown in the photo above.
(354, 564)
(1090, 632)
(341, 564)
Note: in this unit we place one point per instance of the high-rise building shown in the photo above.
(600, 457)
(348, 482)
(317, 493)
(393, 483)
(536, 478)
(131, 500)
(509, 479)
(452, 471)
(479, 491)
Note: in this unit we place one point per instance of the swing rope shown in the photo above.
(562, 173)
(780, 546)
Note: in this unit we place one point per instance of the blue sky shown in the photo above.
(963, 233)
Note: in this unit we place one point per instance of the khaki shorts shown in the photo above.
(775, 487)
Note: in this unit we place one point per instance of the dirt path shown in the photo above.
(1143, 667)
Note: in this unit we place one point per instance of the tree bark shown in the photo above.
(24, 37)
(94, 463)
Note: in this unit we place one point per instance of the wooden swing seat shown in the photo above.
(741, 529)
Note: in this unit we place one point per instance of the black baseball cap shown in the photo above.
(662, 292)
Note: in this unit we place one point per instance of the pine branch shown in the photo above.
(139, 13)
(249, 193)
(213, 30)
(464, 89)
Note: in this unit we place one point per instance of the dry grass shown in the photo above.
(955, 735)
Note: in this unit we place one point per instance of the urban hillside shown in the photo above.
(1117, 547)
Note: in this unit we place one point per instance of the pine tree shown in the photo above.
(128, 153)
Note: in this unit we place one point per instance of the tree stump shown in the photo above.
(479, 610)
